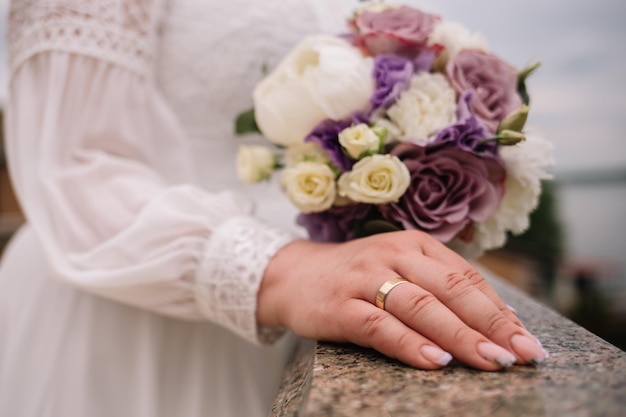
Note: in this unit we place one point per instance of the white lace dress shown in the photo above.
(132, 290)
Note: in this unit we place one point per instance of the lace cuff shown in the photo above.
(230, 273)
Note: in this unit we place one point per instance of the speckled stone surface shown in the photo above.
(585, 376)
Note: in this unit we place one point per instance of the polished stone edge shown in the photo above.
(293, 391)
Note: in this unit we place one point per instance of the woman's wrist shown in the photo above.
(277, 286)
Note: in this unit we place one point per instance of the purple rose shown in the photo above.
(392, 74)
(493, 81)
(450, 189)
(326, 136)
(338, 224)
(402, 31)
(467, 134)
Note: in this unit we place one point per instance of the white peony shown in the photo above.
(359, 139)
(324, 77)
(426, 107)
(310, 186)
(454, 37)
(526, 166)
(254, 163)
(376, 179)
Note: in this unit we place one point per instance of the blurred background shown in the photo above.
(574, 256)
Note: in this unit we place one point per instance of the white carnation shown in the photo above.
(310, 186)
(526, 166)
(454, 37)
(376, 179)
(426, 107)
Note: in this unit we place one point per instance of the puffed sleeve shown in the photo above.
(84, 124)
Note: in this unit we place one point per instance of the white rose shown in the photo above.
(376, 179)
(310, 186)
(454, 37)
(426, 107)
(302, 152)
(324, 77)
(254, 163)
(359, 139)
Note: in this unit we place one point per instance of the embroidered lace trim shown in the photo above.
(118, 31)
(230, 274)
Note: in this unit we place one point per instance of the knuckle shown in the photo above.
(455, 282)
(405, 342)
(474, 278)
(419, 304)
(461, 335)
(373, 323)
(495, 323)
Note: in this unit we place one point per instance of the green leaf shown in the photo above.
(521, 82)
(246, 123)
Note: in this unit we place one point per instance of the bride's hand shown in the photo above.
(328, 292)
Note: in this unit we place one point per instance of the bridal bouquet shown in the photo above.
(406, 122)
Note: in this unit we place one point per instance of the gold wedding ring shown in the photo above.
(385, 289)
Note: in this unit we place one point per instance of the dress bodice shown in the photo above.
(210, 58)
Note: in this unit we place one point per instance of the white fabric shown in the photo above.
(120, 145)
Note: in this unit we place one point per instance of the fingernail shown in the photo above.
(436, 355)
(528, 349)
(512, 309)
(495, 353)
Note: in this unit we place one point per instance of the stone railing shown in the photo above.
(585, 376)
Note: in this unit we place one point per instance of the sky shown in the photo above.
(578, 96)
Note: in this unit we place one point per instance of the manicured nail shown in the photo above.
(495, 353)
(436, 355)
(528, 349)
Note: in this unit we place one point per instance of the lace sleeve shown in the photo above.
(118, 31)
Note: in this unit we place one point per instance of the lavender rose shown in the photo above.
(449, 190)
(338, 224)
(399, 30)
(493, 81)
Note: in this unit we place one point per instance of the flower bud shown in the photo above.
(255, 163)
(516, 120)
(510, 137)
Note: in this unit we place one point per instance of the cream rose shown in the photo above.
(304, 152)
(254, 163)
(359, 139)
(310, 186)
(324, 77)
(376, 179)
(426, 107)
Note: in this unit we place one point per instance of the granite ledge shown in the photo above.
(584, 377)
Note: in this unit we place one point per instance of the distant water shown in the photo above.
(594, 219)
